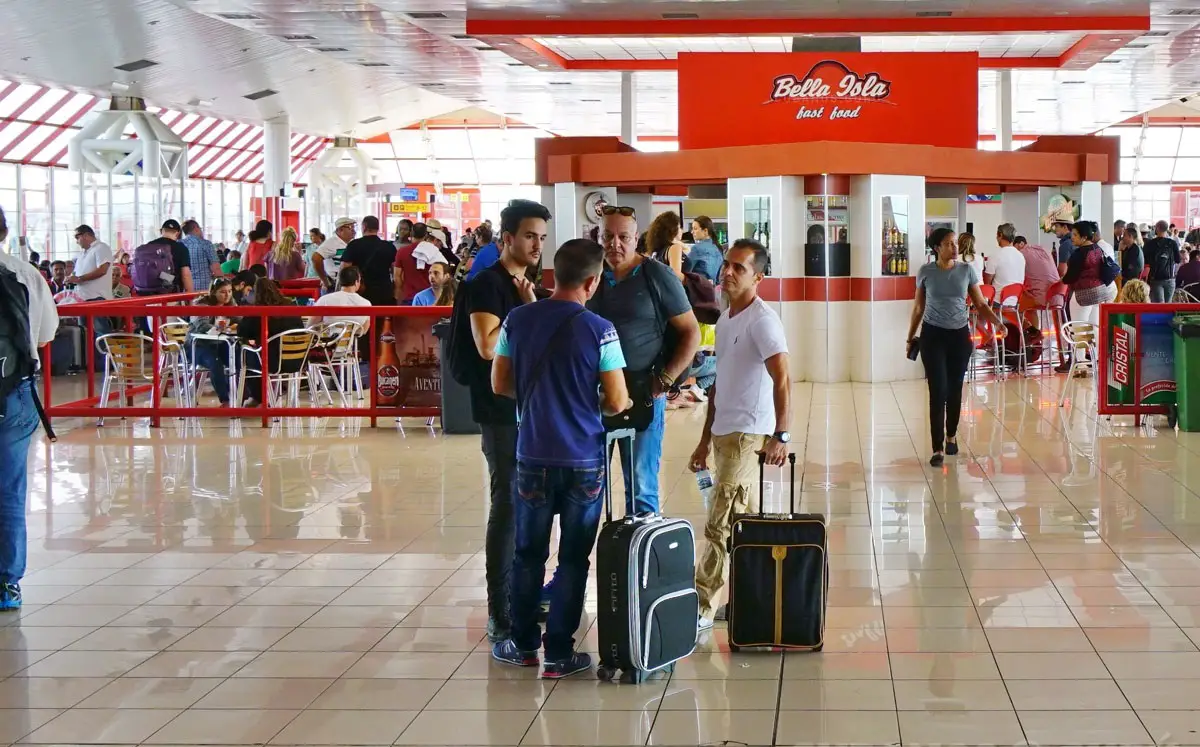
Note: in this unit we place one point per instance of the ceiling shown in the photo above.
(338, 64)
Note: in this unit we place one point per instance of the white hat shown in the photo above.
(438, 234)
(344, 222)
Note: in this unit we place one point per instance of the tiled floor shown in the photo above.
(322, 584)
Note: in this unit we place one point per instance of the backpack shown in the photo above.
(17, 357)
(150, 262)
(1161, 260)
(1109, 269)
(462, 357)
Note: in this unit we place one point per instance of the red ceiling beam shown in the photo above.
(797, 26)
(67, 124)
(30, 129)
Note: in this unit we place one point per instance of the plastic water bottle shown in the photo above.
(704, 482)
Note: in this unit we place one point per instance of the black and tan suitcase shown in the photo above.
(778, 576)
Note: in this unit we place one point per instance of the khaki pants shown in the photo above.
(735, 462)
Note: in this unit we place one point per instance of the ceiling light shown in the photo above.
(933, 14)
(264, 93)
(461, 37)
(331, 49)
(372, 120)
(1114, 40)
(374, 64)
(200, 102)
(299, 37)
(238, 16)
(426, 15)
(560, 82)
(1156, 33)
(680, 16)
(119, 87)
(133, 67)
(589, 101)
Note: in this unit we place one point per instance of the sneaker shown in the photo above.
(937, 460)
(497, 632)
(506, 652)
(951, 448)
(704, 623)
(10, 596)
(556, 670)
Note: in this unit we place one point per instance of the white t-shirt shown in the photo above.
(96, 255)
(745, 392)
(343, 298)
(43, 315)
(1007, 264)
(328, 250)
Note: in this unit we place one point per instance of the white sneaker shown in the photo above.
(703, 623)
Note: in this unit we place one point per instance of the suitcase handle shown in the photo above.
(610, 439)
(762, 479)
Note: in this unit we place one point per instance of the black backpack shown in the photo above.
(462, 357)
(17, 358)
(1161, 260)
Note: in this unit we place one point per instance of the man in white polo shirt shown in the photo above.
(1006, 265)
(749, 409)
(91, 278)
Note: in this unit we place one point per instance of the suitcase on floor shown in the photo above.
(647, 604)
(66, 351)
(778, 577)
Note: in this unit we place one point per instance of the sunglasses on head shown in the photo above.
(626, 212)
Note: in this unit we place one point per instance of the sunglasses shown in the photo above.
(626, 212)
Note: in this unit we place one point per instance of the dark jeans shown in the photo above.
(215, 357)
(499, 445)
(574, 493)
(16, 429)
(946, 354)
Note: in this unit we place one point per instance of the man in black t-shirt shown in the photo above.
(373, 255)
(180, 256)
(1162, 259)
(490, 296)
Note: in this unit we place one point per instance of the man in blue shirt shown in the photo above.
(439, 276)
(487, 254)
(560, 353)
(205, 265)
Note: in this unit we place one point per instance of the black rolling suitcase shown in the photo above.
(778, 577)
(646, 582)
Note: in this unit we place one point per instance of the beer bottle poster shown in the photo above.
(408, 369)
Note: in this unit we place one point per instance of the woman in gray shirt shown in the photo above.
(943, 288)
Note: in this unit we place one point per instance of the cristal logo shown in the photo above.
(831, 80)
(1121, 346)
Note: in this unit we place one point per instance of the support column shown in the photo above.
(277, 167)
(1004, 110)
(628, 108)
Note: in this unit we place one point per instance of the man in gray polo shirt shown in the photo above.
(643, 299)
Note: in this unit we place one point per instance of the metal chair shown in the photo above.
(287, 366)
(126, 362)
(1010, 310)
(338, 342)
(173, 365)
(1080, 338)
(983, 338)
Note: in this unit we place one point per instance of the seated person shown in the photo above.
(243, 287)
(233, 263)
(210, 354)
(442, 287)
(347, 294)
(120, 290)
(1041, 272)
(253, 332)
(1188, 276)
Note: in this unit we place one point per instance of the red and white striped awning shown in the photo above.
(36, 123)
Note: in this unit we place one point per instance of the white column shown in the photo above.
(628, 108)
(1004, 109)
(1091, 205)
(277, 156)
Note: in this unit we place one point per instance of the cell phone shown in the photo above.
(914, 348)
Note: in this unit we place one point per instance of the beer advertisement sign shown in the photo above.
(408, 365)
(880, 97)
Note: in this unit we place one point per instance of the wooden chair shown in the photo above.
(173, 365)
(289, 353)
(126, 363)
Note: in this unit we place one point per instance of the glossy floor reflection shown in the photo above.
(319, 583)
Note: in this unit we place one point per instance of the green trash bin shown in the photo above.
(1187, 371)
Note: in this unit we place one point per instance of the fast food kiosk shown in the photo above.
(830, 163)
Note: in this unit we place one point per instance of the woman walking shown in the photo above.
(941, 312)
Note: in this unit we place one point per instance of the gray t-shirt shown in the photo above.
(946, 294)
(629, 305)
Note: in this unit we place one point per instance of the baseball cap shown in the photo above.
(171, 225)
(434, 223)
(344, 222)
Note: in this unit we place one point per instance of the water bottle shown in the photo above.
(704, 482)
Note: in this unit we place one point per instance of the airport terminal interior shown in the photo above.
(232, 576)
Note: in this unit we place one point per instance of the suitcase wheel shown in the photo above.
(817, 649)
(632, 677)
(734, 648)
(605, 674)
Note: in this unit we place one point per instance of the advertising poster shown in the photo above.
(1145, 355)
(408, 363)
(1122, 362)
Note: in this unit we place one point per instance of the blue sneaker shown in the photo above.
(506, 652)
(556, 670)
(10, 596)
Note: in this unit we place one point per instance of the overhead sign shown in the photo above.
(395, 208)
(410, 194)
(918, 98)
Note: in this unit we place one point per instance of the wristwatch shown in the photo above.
(782, 437)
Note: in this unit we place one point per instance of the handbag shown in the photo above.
(639, 417)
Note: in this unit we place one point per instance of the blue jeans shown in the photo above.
(214, 357)
(705, 373)
(576, 495)
(648, 447)
(16, 429)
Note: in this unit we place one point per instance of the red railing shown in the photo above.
(155, 309)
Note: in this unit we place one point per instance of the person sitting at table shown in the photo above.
(254, 332)
(213, 354)
(347, 294)
(243, 287)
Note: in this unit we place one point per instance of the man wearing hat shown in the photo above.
(331, 250)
